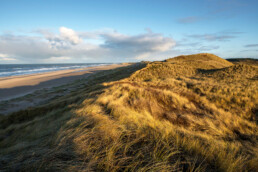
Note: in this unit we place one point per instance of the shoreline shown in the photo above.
(53, 72)
(44, 72)
(20, 85)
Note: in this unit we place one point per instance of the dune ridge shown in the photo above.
(189, 113)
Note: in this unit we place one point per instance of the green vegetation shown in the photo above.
(190, 113)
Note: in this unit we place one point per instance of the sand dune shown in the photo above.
(184, 114)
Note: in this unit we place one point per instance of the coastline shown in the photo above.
(16, 86)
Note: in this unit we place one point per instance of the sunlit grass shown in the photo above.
(168, 116)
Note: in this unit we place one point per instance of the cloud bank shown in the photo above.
(190, 19)
(70, 46)
(251, 45)
(219, 36)
(5, 57)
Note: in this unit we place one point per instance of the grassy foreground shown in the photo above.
(190, 113)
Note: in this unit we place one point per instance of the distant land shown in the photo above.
(189, 113)
(250, 61)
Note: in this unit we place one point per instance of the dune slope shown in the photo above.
(174, 115)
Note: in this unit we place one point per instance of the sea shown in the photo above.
(25, 69)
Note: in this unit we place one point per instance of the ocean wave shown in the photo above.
(32, 69)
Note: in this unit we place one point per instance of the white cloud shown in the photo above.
(142, 56)
(96, 46)
(69, 35)
(5, 57)
(59, 58)
(138, 46)
(65, 39)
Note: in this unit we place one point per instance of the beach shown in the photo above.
(16, 86)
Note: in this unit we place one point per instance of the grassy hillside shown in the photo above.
(190, 113)
(248, 61)
(203, 61)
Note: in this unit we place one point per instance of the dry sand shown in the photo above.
(16, 86)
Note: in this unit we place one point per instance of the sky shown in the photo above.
(113, 31)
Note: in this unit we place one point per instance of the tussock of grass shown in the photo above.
(166, 116)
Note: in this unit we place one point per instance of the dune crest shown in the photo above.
(189, 113)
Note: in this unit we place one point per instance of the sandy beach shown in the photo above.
(16, 86)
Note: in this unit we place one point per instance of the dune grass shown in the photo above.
(161, 116)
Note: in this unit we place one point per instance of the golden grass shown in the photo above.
(167, 116)
(202, 60)
(248, 61)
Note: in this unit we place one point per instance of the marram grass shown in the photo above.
(160, 116)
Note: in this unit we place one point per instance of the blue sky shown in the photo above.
(54, 31)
